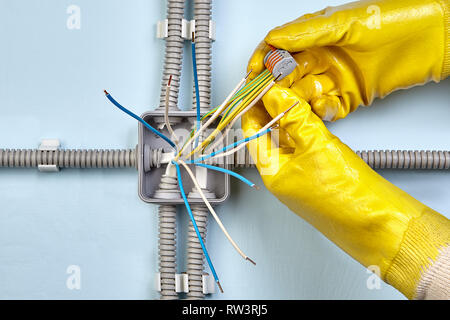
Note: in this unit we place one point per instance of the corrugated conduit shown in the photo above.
(70, 158)
(174, 53)
(202, 17)
(126, 158)
(195, 257)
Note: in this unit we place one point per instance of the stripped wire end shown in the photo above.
(277, 77)
(248, 74)
(170, 81)
(288, 109)
(275, 126)
(256, 187)
(193, 37)
(247, 258)
(220, 287)
(135, 116)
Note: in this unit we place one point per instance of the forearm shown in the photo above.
(421, 268)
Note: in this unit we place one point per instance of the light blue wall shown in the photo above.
(51, 82)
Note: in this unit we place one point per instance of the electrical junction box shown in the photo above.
(150, 170)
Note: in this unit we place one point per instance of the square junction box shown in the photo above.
(150, 170)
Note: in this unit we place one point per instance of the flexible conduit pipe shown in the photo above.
(167, 213)
(202, 17)
(173, 54)
(406, 159)
(73, 158)
(126, 158)
(195, 258)
(167, 247)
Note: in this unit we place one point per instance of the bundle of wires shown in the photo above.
(232, 109)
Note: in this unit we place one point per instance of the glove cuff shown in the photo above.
(435, 283)
(422, 242)
(446, 65)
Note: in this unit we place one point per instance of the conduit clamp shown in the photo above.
(48, 145)
(187, 27)
(162, 29)
(182, 283)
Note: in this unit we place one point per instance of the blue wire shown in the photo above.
(234, 174)
(118, 105)
(183, 194)
(197, 93)
(231, 146)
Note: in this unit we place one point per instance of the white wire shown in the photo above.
(211, 209)
(166, 118)
(268, 125)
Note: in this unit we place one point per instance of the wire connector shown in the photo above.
(280, 63)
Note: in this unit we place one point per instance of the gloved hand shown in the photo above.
(349, 55)
(326, 183)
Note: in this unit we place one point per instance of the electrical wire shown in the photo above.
(251, 105)
(252, 86)
(267, 126)
(213, 212)
(231, 146)
(197, 93)
(249, 85)
(231, 173)
(118, 105)
(234, 99)
(245, 102)
(248, 99)
(217, 112)
(166, 114)
(191, 216)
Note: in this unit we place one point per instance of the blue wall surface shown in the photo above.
(51, 82)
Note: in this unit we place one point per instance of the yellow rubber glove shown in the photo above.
(326, 183)
(349, 55)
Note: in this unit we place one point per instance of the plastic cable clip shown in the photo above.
(187, 27)
(162, 29)
(182, 283)
(49, 145)
(212, 30)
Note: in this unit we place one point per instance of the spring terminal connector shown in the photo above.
(280, 63)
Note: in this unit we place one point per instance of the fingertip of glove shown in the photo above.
(256, 62)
